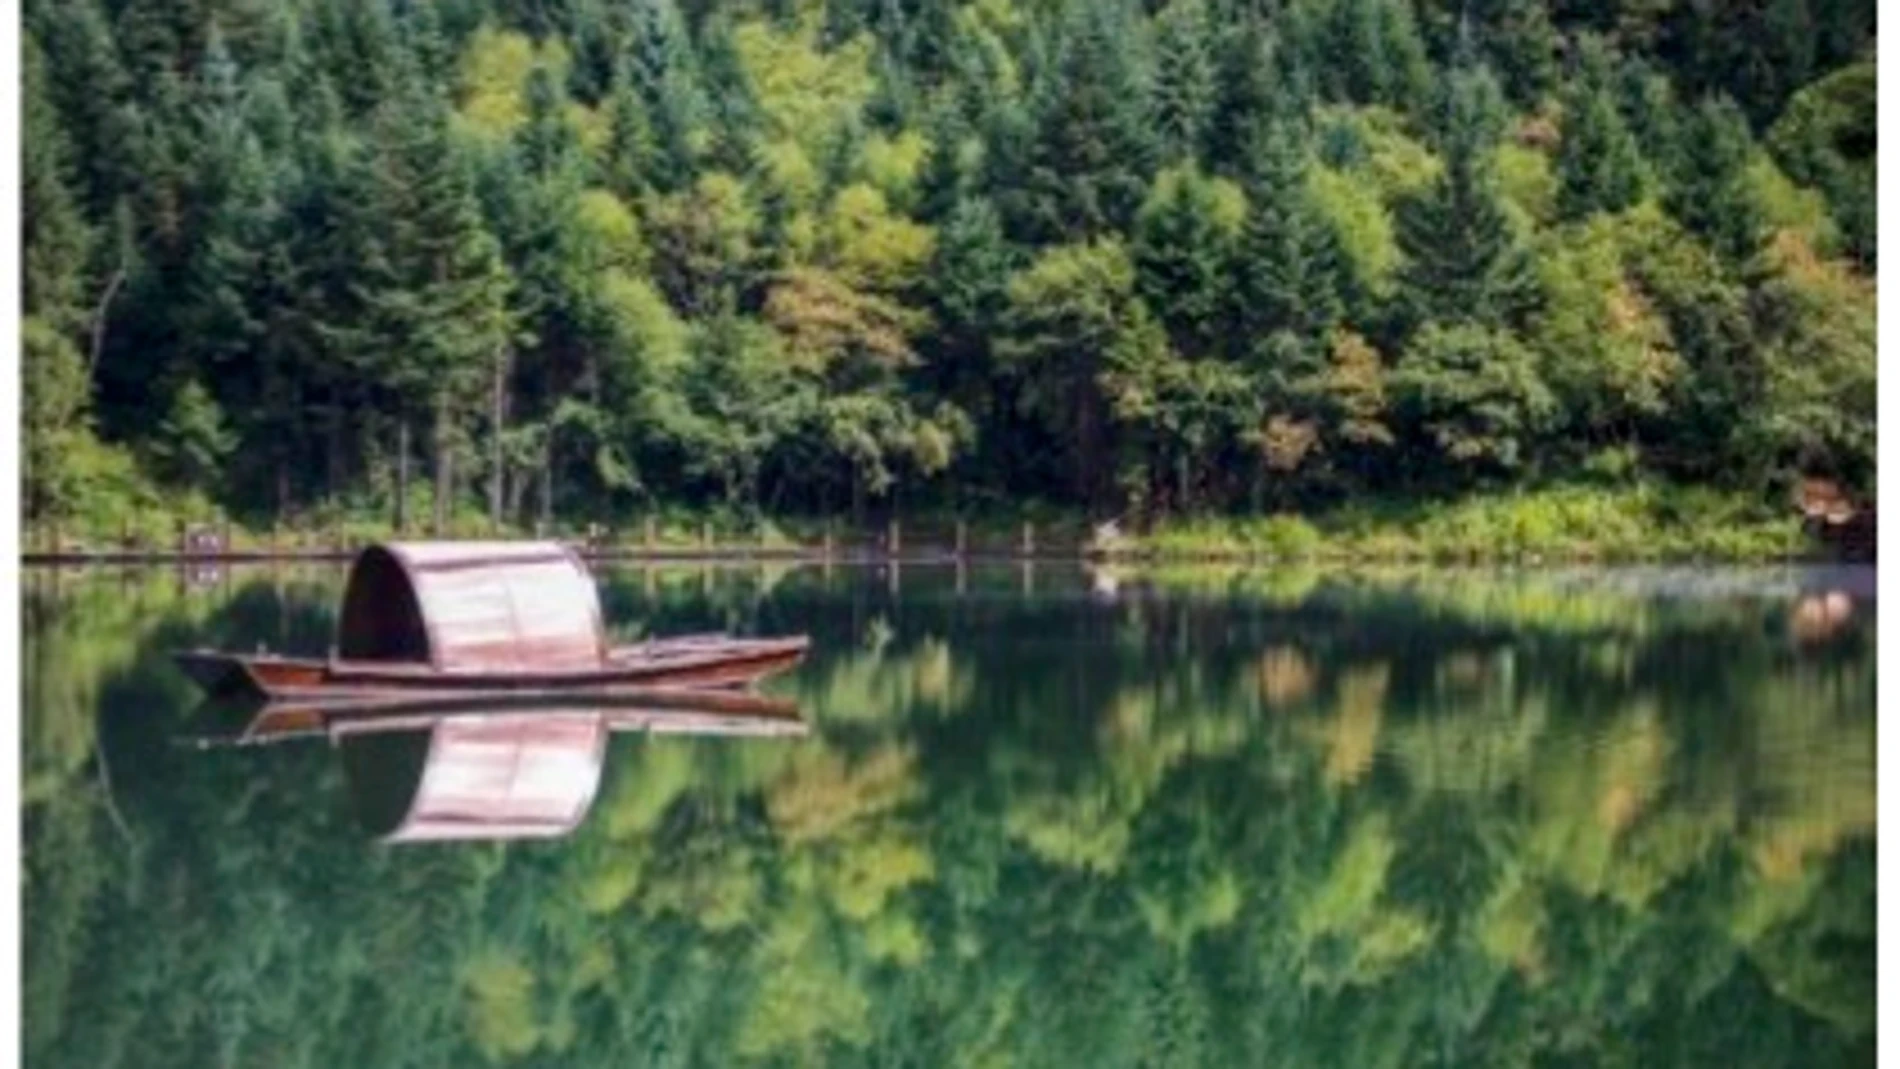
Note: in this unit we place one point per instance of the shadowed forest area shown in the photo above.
(1446, 820)
(579, 259)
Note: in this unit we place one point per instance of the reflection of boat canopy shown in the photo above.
(478, 776)
(482, 617)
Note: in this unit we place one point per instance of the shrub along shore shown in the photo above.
(1560, 523)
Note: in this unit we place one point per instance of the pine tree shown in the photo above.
(1184, 84)
(944, 180)
(434, 288)
(1465, 261)
(630, 147)
(1182, 251)
(91, 95)
(55, 239)
(1599, 168)
(54, 246)
(1094, 147)
(1286, 296)
(1710, 192)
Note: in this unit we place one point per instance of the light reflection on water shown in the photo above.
(1045, 816)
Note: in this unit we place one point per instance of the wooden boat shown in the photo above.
(465, 619)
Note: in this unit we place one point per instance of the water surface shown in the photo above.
(1044, 817)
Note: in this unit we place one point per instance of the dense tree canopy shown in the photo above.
(575, 260)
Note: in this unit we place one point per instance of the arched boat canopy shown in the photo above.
(465, 606)
(480, 776)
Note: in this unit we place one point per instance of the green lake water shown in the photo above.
(1043, 817)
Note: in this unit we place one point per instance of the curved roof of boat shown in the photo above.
(478, 776)
(468, 606)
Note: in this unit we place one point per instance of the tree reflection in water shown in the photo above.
(1196, 818)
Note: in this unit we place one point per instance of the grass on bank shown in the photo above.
(1644, 522)
(1640, 522)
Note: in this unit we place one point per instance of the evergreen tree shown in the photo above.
(1182, 252)
(630, 145)
(55, 239)
(1465, 261)
(91, 94)
(1093, 152)
(1286, 296)
(1599, 168)
(1184, 83)
(1710, 193)
(435, 291)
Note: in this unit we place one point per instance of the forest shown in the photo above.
(1426, 823)
(575, 259)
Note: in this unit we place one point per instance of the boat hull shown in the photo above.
(694, 662)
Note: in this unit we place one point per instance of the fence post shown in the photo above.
(1029, 538)
(895, 539)
(963, 539)
(827, 541)
(647, 533)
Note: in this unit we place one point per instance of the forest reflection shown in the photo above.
(1194, 818)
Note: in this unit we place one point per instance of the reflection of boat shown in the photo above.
(661, 710)
(435, 769)
(476, 618)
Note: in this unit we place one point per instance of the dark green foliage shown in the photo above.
(1184, 82)
(1599, 168)
(1286, 271)
(1093, 147)
(1465, 261)
(1709, 193)
(508, 234)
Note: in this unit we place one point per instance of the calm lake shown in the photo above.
(1043, 817)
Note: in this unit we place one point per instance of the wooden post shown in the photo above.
(963, 539)
(1029, 538)
(826, 548)
(895, 540)
(649, 534)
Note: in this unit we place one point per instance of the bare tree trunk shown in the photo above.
(547, 483)
(402, 475)
(444, 466)
(497, 426)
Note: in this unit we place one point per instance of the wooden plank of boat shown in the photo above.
(699, 663)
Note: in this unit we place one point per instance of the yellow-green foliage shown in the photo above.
(1347, 906)
(501, 1006)
(804, 92)
(891, 164)
(1787, 206)
(1229, 203)
(1363, 221)
(643, 322)
(494, 70)
(612, 230)
(869, 245)
(1398, 163)
(806, 995)
(1353, 884)
(1207, 903)
(1511, 926)
(1528, 181)
(1601, 343)
(822, 792)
